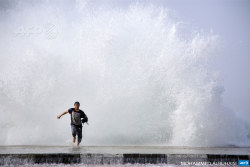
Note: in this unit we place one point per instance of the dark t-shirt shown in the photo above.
(76, 116)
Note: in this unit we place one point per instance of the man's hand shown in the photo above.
(59, 116)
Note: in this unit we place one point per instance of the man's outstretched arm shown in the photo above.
(59, 116)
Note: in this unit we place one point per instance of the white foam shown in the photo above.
(141, 76)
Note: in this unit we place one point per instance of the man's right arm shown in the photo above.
(59, 116)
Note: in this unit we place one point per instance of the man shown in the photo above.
(76, 122)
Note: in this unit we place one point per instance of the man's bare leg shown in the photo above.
(78, 143)
(74, 139)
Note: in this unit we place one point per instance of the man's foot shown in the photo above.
(74, 139)
(78, 144)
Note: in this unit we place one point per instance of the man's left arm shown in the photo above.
(85, 118)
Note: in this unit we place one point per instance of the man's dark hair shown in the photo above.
(77, 102)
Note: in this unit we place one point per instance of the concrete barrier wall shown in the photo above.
(177, 159)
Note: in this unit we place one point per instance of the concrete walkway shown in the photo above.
(124, 150)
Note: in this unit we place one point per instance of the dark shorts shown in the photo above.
(76, 130)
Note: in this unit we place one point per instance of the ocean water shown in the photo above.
(143, 77)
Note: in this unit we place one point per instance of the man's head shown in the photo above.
(77, 105)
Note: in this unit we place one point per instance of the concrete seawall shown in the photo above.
(120, 155)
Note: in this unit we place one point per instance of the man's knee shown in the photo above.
(74, 133)
(79, 134)
(79, 139)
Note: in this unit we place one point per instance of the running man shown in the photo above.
(76, 122)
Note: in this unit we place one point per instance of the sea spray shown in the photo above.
(142, 77)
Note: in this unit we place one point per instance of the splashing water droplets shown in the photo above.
(140, 77)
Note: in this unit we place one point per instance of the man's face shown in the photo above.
(77, 106)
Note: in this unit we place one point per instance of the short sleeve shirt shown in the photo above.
(76, 116)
